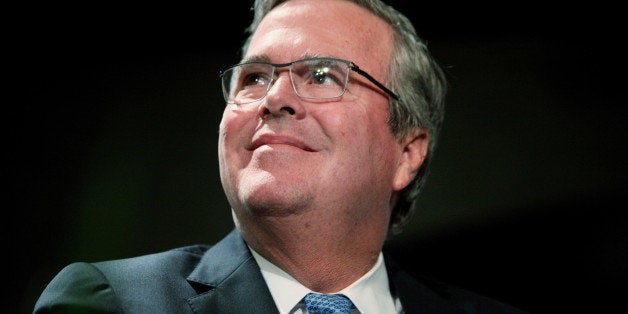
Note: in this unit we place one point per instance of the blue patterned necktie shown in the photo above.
(317, 303)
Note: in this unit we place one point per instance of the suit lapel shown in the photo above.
(229, 280)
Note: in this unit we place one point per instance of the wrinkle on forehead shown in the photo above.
(339, 29)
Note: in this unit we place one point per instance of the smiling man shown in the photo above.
(311, 181)
(331, 119)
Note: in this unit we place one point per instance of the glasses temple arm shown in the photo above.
(357, 69)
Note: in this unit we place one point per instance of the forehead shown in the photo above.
(331, 28)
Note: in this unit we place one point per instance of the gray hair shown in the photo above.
(414, 76)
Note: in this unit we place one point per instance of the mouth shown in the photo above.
(274, 139)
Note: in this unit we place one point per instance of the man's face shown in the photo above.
(284, 155)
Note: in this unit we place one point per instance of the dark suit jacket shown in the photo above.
(223, 278)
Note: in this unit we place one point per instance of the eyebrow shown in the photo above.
(266, 58)
(256, 58)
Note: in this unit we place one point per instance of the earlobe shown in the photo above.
(414, 150)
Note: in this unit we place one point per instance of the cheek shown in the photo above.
(363, 137)
(347, 126)
(223, 153)
(233, 136)
(237, 126)
(231, 155)
(232, 119)
(225, 138)
(335, 122)
(378, 146)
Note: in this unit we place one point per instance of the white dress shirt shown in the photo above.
(369, 294)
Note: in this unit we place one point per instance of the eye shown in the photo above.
(255, 79)
(324, 74)
(320, 76)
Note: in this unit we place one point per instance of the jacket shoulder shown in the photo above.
(181, 258)
(114, 285)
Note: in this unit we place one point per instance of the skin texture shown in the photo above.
(296, 171)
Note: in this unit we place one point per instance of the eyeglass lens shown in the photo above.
(317, 78)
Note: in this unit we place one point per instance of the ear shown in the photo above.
(414, 150)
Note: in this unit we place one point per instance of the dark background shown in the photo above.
(112, 120)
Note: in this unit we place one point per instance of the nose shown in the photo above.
(282, 99)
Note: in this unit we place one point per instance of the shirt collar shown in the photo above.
(370, 293)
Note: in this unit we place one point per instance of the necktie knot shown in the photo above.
(317, 303)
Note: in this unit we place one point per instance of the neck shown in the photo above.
(324, 256)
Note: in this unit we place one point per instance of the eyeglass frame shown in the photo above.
(352, 67)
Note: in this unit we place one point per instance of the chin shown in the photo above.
(274, 202)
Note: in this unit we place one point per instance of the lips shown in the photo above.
(270, 139)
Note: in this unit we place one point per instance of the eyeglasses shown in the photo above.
(312, 78)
